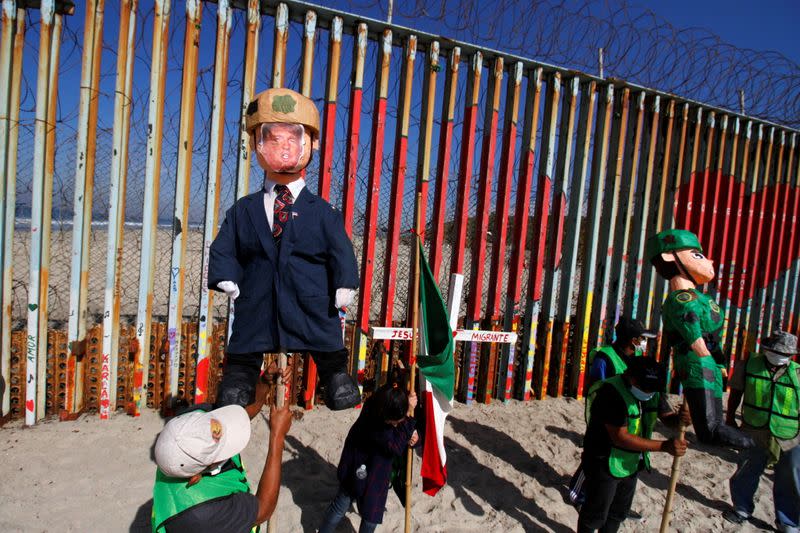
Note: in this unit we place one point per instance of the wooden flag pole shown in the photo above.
(413, 354)
(673, 480)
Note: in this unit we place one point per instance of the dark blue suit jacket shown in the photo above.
(287, 293)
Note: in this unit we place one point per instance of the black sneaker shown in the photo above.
(734, 517)
(341, 392)
(633, 516)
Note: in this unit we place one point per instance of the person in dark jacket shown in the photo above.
(283, 255)
(383, 431)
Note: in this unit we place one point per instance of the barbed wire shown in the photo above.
(639, 46)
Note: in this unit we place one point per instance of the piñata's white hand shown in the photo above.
(230, 288)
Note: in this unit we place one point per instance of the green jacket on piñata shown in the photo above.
(689, 315)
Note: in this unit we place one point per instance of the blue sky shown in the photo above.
(769, 25)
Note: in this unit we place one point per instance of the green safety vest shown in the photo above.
(612, 355)
(172, 496)
(624, 463)
(772, 402)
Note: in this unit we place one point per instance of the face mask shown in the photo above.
(642, 346)
(283, 147)
(776, 359)
(641, 395)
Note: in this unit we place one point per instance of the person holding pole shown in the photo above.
(692, 322)
(606, 362)
(621, 414)
(383, 431)
(769, 383)
(283, 254)
(201, 485)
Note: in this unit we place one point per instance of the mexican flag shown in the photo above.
(437, 377)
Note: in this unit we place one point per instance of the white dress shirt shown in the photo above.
(295, 188)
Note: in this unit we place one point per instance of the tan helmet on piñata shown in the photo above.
(281, 105)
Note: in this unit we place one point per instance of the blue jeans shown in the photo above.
(785, 491)
(336, 511)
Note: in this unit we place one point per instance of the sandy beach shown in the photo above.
(508, 468)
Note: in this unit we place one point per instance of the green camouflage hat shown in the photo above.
(671, 240)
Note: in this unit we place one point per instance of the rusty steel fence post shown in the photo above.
(642, 227)
(752, 341)
(354, 129)
(180, 214)
(732, 209)
(11, 45)
(279, 48)
(672, 215)
(657, 286)
(783, 196)
(712, 231)
(41, 210)
(465, 166)
(443, 163)
(772, 248)
(329, 113)
(755, 211)
(513, 311)
(783, 200)
(426, 134)
(479, 240)
(400, 156)
(116, 213)
(591, 247)
(628, 185)
(609, 223)
(654, 283)
(152, 181)
(215, 154)
(702, 195)
(309, 35)
(541, 219)
(82, 203)
(741, 253)
(560, 177)
(502, 211)
(574, 225)
(373, 196)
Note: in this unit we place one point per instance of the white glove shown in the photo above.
(230, 288)
(345, 297)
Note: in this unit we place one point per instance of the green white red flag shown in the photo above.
(437, 376)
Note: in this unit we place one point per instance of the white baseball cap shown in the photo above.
(192, 442)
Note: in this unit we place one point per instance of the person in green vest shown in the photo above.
(610, 360)
(621, 414)
(692, 322)
(769, 383)
(201, 485)
(606, 362)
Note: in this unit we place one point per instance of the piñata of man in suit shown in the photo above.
(283, 255)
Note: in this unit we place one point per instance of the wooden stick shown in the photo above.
(413, 354)
(282, 392)
(673, 479)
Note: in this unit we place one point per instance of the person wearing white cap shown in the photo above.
(769, 383)
(201, 485)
